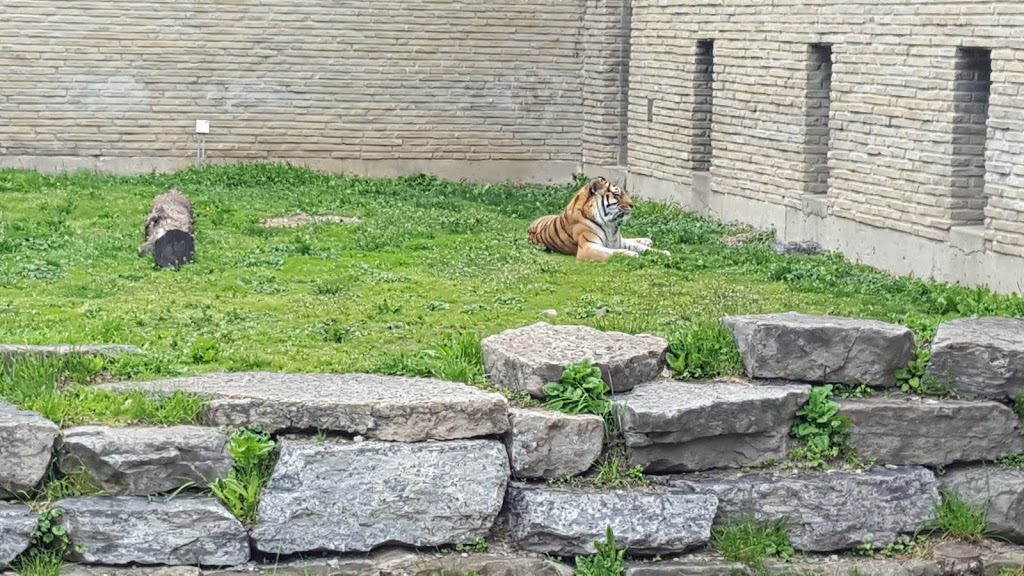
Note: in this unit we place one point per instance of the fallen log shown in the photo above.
(170, 236)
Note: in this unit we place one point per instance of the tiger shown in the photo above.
(588, 228)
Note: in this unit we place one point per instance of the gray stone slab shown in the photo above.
(354, 497)
(182, 531)
(137, 461)
(904, 430)
(980, 357)
(827, 511)
(821, 349)
(997, 490)
(17, 524)
(392, 408)
(12, 352)
(550, 444)
(531, 356)
(564, 521)
(26, 448)
(673, 426)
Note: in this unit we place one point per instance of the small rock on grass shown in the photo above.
(26, 447)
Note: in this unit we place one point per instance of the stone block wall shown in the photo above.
(372, 472)
(476, 89)
(922, 137)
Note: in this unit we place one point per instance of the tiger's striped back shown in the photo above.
(554, 232)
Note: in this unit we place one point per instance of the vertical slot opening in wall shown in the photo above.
(703, 105)
(816, 128)
(973, 85)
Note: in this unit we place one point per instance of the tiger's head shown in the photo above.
(611, 204)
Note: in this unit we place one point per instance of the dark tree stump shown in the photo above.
(170, 236)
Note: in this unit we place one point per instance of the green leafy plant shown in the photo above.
(915, 378)
(703, 349)
(823, 432)
(252, 450)
(955, 518)
(204, 350)
(48, 546)
(861, 390)
(904, 545)
(1018, 407)
(608, 561)
(751, 542)
(580, 390)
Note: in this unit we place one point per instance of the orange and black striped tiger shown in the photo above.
(588, 228)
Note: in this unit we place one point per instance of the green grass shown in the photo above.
(60, 389)
(955, 518)
(431, 258)
(752, 542)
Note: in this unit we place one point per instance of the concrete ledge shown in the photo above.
(479, 171)
(963, 258)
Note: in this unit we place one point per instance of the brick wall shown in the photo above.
(312, 79)
(907, 135)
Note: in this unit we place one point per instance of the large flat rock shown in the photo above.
(821, 349)
(997, 490)
(673, 426)
(357, 496)
(550, 444)
(827, 511)
(181, 531)
(566, 521)
(531, 356)
(26, 447)
(903, 430)
(392, 408)
(138, 461)
(980, 357)
(17, 524)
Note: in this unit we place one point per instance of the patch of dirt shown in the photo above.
(301, 219)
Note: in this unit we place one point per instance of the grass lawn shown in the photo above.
(430, 258)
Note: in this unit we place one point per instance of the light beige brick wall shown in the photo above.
(904, 147)
(447, 80)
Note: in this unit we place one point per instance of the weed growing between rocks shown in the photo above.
(1018, 408)
(703, 349)
(61, 390)
(955, 518)
(581, 390)
(253, 453)
(823, 432)
(752, 542)
(49, 544)
(916, 546)
(607, 561)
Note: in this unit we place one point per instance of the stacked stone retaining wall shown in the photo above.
(373, 473)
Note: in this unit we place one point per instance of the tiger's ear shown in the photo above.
(597, 184)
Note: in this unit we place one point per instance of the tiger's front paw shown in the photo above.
(647, 242)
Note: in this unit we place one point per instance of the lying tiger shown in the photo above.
(589, 226)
